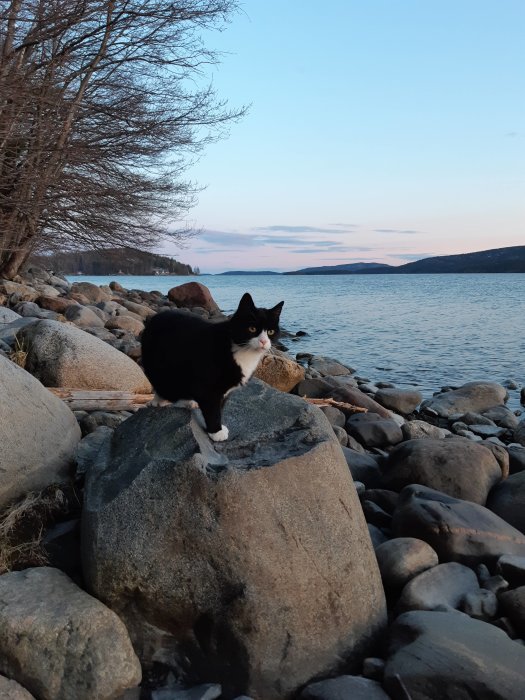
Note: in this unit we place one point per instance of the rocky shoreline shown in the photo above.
(322, 552)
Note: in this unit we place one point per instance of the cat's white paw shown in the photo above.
(220, 435)
(186, 403)
(159, 401)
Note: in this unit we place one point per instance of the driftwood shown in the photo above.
(341, 405)
(104, 400)
(101, 400)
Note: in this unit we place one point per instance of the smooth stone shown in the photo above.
(512, 569)
(363, 467)
(513, 606)
(507, 500)
(334, 415)
(92, 292)
(399, 400)
(38, 435)
(326, 366)
(11, 690)
(486, 431)
(458, 530)
(454, 466)
(417, 429)
(448, 656)
(472, 396)
(481, 604)
(207, 691)
(516, 458)
(377, 535)
(63, 355)
(442, 586)
(192, 294)
(502, 416)
(344, 688)
(371, 430)
(519, 433)
(59, 642)
(83, 317)
(279, 371)
(7, 315)
(401, 559)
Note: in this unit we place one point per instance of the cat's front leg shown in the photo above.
(211, 411)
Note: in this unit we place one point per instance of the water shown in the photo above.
(424, 331)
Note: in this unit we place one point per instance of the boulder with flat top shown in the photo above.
(252, 565)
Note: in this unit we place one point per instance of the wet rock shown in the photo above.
(454, 466)
(281, 464)
(458, 530)
(450, 655)
(473, 396)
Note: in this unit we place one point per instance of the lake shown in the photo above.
(414, 330)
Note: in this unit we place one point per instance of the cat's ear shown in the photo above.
(246, 303)
(276, 311)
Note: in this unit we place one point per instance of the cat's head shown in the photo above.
(254, 327)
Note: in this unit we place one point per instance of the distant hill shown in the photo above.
(510, 259)
(345, 269)
(249, 272)
(111, 261)
(496, 260)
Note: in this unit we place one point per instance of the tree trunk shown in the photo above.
(11, 262)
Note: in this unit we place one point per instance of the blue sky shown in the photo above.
(379, 130)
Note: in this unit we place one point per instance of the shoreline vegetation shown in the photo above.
(368, 544)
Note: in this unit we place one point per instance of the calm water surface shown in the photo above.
(422, 330)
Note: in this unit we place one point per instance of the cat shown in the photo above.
(188, 359)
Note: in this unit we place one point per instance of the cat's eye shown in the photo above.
(252, 329)
(271, 332)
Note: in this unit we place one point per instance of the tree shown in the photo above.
(100, 113)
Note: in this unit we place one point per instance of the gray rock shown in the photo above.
(11, 690)
(486, 431)
(448, 656)
(507, 500)
(62, 355)
(513, 606)
(481, 604)
(341, 435)
(83, 317)
(512, 569)
(59, 642)
(283, 466)
(91, 291)
(371, 430)
(417, 429)
(377, 535)
(374, 667)
(89, 446)
(207, 691)
(38, 435)
(441, 587)
(334, 415)
(7, 315)
(477, 418)
(344, 688)
(458, 530)
(363, 467)
(519, 433)
(8, 331)
(401, 559)
(327, 366)
(97, 419)
(455, 466)
(516, 458)
(400, 400)
(502, 416)
(473, 396)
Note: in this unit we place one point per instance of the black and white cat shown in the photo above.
(192, 360)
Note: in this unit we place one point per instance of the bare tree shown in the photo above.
(100, 109)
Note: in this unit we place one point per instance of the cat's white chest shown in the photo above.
(247, 359)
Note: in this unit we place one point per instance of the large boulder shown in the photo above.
(90, 291)
(456, 466)
(473, 396)
(192, 294)
(38, 434)
(62, 355)
(250, 563)
(458, 530)
(447, 655)
(59, 642)
(11, 690)
(399, 400)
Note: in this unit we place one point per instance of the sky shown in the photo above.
(378, 131)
